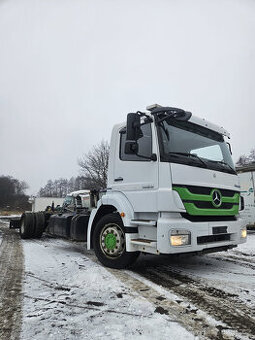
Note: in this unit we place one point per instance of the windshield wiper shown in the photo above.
(224, 163)
(190, 155)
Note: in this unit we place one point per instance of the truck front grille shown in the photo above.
(202, 218)
(207, 190)
(208, 205)
(213, 238)
(201, 201)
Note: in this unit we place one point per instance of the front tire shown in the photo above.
(110, 245)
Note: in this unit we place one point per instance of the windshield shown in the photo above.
(191, 144)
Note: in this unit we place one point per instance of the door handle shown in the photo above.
(119, 179)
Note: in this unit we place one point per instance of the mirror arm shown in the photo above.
(146, 121)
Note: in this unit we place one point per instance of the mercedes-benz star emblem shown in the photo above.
(216, 198)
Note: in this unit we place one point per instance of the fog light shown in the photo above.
(244, 233)
(180, 238)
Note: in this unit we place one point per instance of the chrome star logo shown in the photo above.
(216, 198)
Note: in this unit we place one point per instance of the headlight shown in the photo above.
(244, 233)
(180, 238)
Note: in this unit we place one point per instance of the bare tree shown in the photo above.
(252, 155)
(12, 193)
(243, 159)
(94, 166)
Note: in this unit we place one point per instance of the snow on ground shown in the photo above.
(4, 220)
(247, 248)
(232, 271)
(68, 296)
(6, 223)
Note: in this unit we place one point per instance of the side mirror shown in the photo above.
(133, 133)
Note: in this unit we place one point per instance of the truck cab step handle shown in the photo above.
(119, 179)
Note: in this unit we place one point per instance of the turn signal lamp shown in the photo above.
(180, 238)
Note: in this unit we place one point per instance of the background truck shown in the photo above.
(172, 188)
(246, 174)
(39, 203)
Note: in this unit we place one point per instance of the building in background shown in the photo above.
(246, 174)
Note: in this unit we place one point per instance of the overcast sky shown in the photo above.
(71, 69)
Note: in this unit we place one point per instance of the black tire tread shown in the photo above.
(39, 224)
(29, 223)
(126, 259)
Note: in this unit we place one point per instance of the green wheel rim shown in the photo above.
(112, 240)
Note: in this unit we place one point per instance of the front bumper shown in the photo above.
(204, 235)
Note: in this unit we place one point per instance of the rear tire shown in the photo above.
(27, 225)
(110, 245)
(39, 224)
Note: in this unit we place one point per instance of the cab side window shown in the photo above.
(144, 145)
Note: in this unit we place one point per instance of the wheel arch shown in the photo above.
(107, 205)
(102, 211)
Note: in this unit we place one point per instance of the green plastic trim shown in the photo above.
(191, 209)
(185, 194)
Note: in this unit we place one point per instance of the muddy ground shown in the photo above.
(11, 276)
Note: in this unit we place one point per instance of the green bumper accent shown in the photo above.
(191, 208)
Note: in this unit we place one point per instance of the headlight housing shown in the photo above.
(243, 233)
(180, 237)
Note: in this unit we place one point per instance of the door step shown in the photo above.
(143, 222)
(143, 242)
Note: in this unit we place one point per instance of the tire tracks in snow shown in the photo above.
(220, 305)
(11, 275)
(206, 311)
(167, 303)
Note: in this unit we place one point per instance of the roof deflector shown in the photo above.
(169, 112)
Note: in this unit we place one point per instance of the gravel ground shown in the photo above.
(11, 273)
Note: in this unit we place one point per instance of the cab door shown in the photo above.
(137, 177)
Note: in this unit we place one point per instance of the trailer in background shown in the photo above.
(246, 174)
(69, 220)
(40, 203)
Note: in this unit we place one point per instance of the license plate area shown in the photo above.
(219, 230)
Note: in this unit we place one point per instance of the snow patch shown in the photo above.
(68, 296)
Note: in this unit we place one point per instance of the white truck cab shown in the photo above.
(172, 188)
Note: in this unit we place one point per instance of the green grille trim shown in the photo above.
(234, 199)
(191, 209)
(185, 194)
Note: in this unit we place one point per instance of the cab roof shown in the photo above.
(78, 193)
(193, 119)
